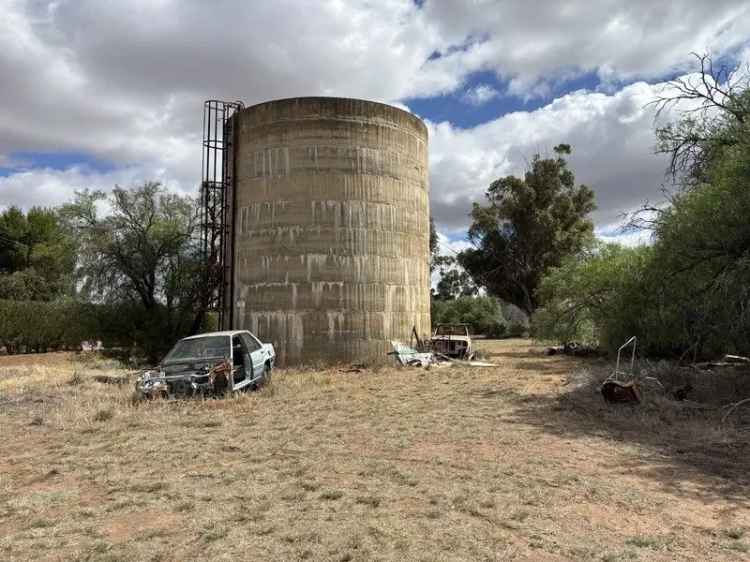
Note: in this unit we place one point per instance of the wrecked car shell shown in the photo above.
(453, 340)
(209, 364)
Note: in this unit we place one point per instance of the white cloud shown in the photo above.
(534, 46)
(630, 238)
(479, 95)
(48, 187)
(124, 82)
(612, 138)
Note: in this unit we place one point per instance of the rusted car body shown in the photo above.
(209, 364)
(453, 340)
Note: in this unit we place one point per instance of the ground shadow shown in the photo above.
(512, 354)
(687, 448)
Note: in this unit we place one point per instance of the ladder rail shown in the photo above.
(216, 197)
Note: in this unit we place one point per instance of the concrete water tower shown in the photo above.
(328, 222)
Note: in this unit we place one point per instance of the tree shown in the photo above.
(702, 250)
(598, 296)
(713, 106)
(26, 285)
(37, 255)
(454, 281)
(434, 244)
(13, 237)
(687, 294)
(529, 226)
(144, 251)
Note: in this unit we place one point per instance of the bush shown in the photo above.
(35, 326)
(518, 330)
(27, 285)
(27, 326)
(483, 314)
(687, 293)
(597, 298)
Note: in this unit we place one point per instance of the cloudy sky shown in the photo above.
(100, 93)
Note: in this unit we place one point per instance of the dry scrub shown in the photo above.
(519, 462)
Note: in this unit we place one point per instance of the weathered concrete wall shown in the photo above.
(332, 229)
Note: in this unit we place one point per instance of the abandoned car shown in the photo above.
(209, 364)
(453, 340)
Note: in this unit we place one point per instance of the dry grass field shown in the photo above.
(515, 462)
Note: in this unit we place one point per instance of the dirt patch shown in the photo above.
(138, 525)
(38, 359)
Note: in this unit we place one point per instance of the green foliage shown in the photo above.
(594, 297)
(143, 258)
(27, 284)
(434, 241)
(27, 326)
(703, 255)
(718, 119)
(483, 314)
(453, 284)
(37, 255)
(35, 326)
(689, 292)
(454, 281)
(529, 226)
(138, 250)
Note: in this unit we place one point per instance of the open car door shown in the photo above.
(256, 357)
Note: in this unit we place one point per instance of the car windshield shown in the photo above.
(210, 347)
(452, 330)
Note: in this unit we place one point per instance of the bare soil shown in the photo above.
(522, 461)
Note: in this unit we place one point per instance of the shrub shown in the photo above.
(594, 298)
(36, 326)
(40, 326)
(483, 314)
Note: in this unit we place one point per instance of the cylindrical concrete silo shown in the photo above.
(331, 228)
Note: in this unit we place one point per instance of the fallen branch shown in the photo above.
(733, 407)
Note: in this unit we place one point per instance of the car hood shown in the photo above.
(188, 367)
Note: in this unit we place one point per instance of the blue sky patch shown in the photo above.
(21, 161)
(457, 107)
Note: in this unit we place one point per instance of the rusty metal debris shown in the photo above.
(574, 349)
(620, 392)
(410, 357)
(212, 380)
(616, 391)
(453, 340)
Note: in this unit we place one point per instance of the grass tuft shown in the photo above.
(370, 501)
(331, 495)
(104, 415)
